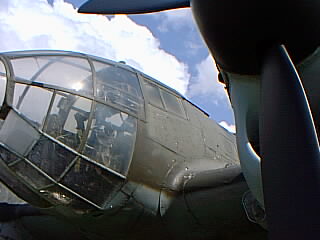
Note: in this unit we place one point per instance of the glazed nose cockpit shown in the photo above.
(68, 127)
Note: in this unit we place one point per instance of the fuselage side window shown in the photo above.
(153, 94)
(163, 99)
(173, 104)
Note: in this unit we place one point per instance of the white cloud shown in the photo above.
(26, 24)
(175, 19)
(206, 83)
(193, 46)
(230, 128)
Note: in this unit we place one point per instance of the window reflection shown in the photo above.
(32, 102)
(118, 86)
(72, 73)
(25, 68)
(59, 196)
(111, 138)
(18, 134)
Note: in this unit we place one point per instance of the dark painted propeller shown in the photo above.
(130, 7)
(239, 34)
(290, 152)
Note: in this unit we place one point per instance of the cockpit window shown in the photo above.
(51, 157)
(70, 128)
(118, 86)
(31, 175)
(111, 138)
(72, 73)
(92, 182)
(68, 119)
(3, 82)
(32, 102)
(112, 84)
(17, 134)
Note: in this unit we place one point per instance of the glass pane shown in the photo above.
(52, 158)
(30, 175)
(18, 134)
(154, 95)
(111, 138)
(32, 102)
(3, 83)
(25, 68)
(69, 72)
(118, 86)
(68, 119)
(172, 103)
(92, 182)
(7, 156)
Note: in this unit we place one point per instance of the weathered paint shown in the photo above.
(184, 182)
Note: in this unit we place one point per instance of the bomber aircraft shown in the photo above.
(100, 150)
(267, 53)
(101, 158)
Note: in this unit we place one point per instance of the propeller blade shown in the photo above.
(290, 164)
(130, 6)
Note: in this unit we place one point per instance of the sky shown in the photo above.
(166, 45)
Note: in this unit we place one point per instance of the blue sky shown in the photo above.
(165, 45)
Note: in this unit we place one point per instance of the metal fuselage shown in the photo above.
(179, 177)
(267, 54)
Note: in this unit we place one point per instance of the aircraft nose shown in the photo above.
(66, 141)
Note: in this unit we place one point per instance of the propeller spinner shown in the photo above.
(245, 39)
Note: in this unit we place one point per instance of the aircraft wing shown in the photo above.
(219, 199)
(224, 194)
